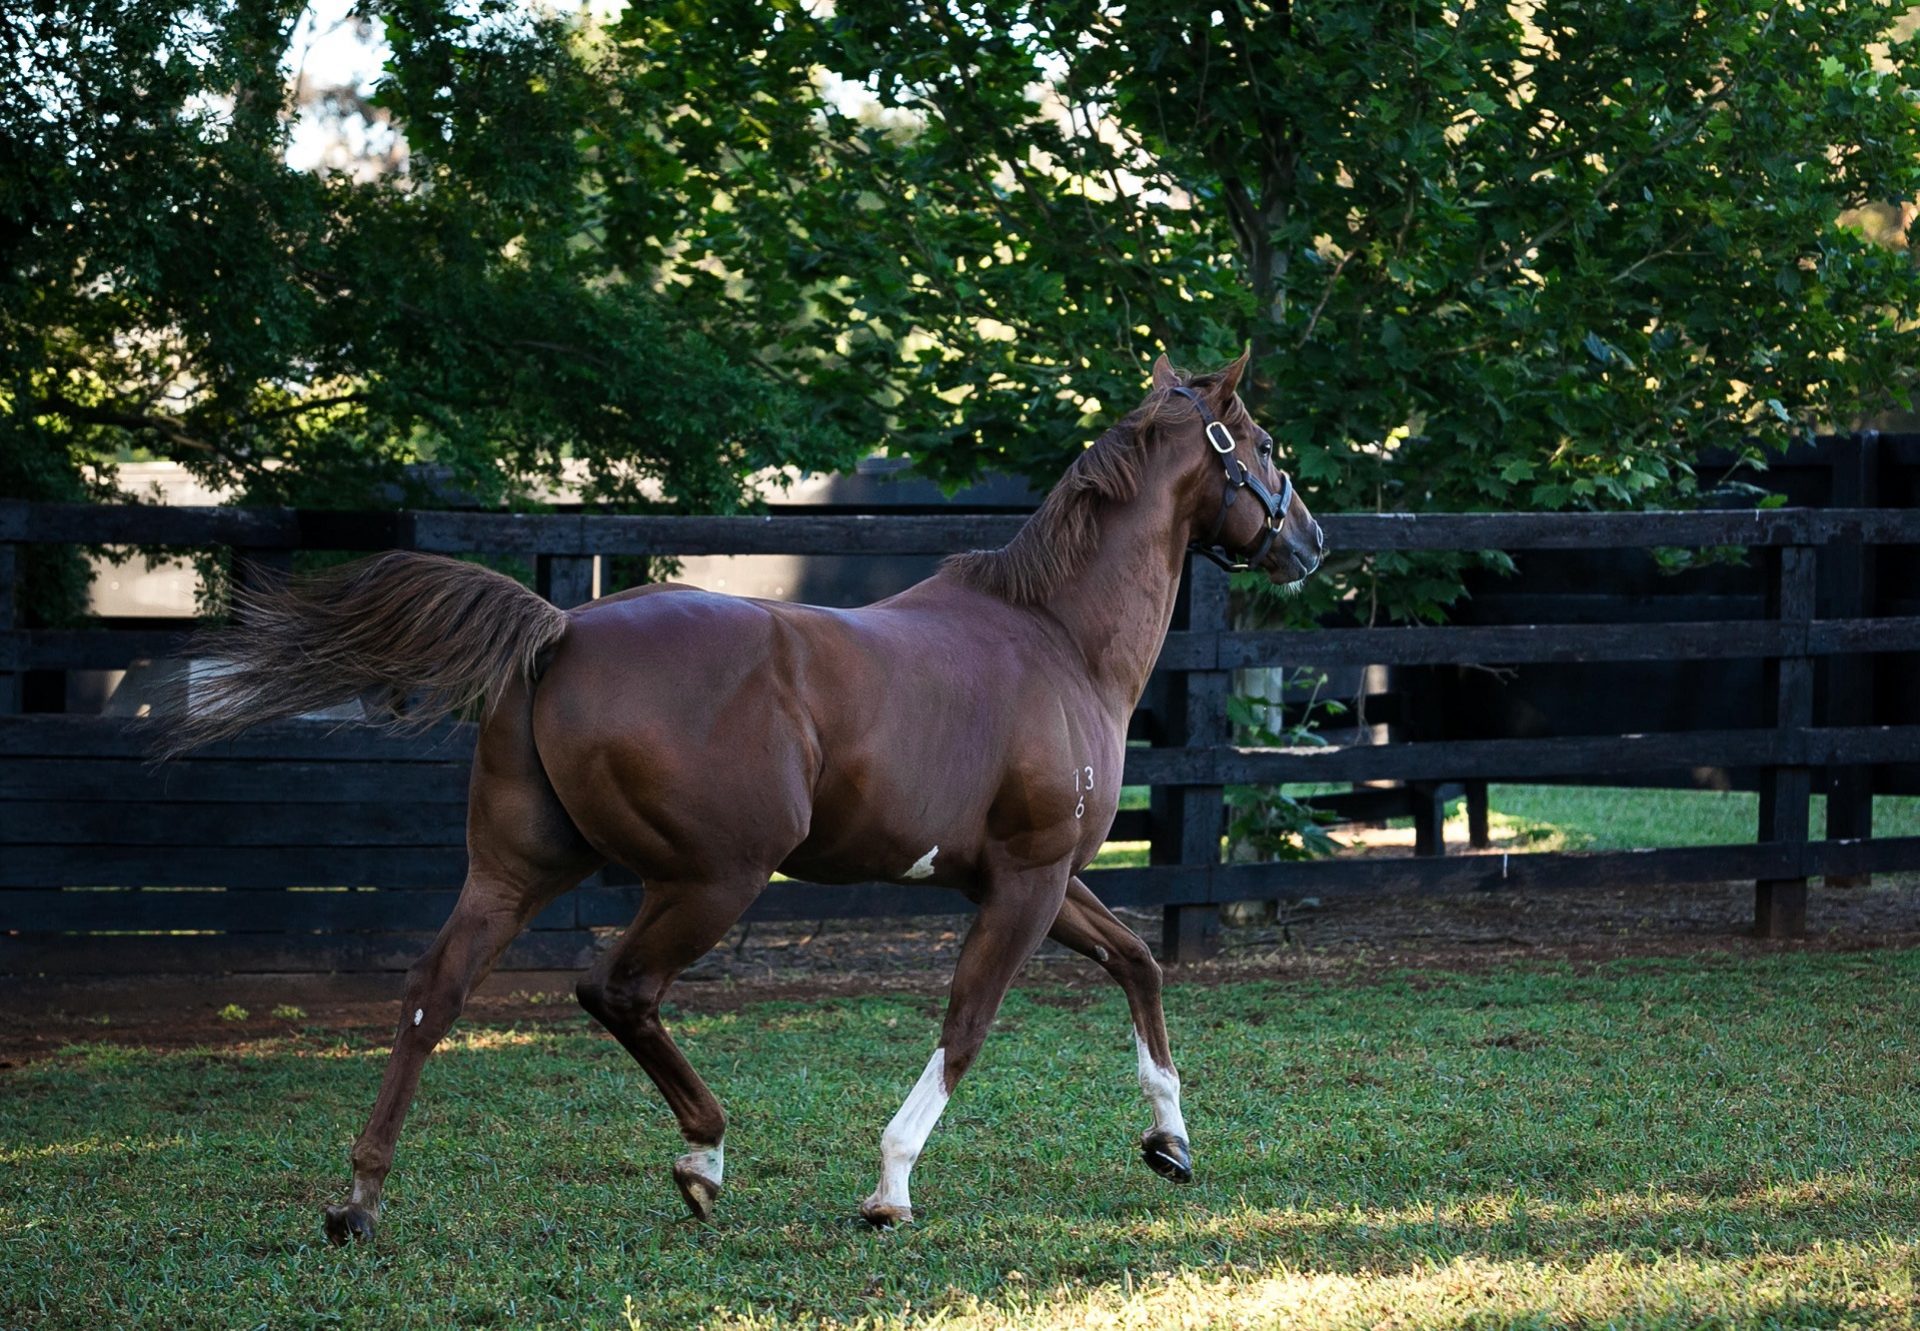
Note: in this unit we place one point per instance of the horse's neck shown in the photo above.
(1118, 607)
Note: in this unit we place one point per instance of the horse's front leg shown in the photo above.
(1015, 913)
(1089, 928)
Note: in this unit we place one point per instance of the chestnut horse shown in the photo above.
(968, 733)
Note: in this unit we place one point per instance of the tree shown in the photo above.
(169, 283)
(1486, 255)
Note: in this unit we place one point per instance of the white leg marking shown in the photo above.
(709, 1162)
(1162, 1089)
(419, 1015)
(922, 867)
(900, 1144)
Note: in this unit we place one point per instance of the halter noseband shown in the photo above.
(1275, 505)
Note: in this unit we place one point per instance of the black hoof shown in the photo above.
(1166, 1155)
(882, 1216)
(347, 1224)
(698, 1191)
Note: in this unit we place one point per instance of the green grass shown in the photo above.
(1665, 1143)
(1613, 818)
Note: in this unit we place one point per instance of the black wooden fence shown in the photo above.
(309, 847)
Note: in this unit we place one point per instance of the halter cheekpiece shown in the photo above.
(1275, 506)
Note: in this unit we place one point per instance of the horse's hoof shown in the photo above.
(1166, 1155)
(346, 1224)
(881, 1215)
(699, 1191)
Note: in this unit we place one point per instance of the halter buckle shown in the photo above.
(1221, 440)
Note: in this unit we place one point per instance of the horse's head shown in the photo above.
(1245, 511)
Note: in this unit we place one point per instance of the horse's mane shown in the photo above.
(1054, 544)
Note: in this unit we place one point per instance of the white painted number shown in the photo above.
(1082, 786)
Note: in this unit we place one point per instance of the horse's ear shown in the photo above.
(1229, 381)
(1163, 375)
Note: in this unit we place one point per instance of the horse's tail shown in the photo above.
(432, 633)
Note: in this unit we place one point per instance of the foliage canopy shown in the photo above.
(1486, 255)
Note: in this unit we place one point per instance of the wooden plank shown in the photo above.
(1842, 637)
(1188, 823)
(288, 741)
(1514, 644)
(89, 649)
(1858, 857)
(1851, 576)
(188, 824)
(922, 534)
(567, 581)
(148, 524)
(1481, 872)
(897, 534)
(1507, 644)
(1577, 531)
(360, 911)
(169, 524)
(253, 954)
(1479, 835)
(1516, 759)
(1564, 871)
(1429, 818)
(232, 866)
(10, 666)
(233, 781)
(836, 534)
(1179, 886)
(1786, 789)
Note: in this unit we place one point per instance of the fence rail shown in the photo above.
(306, 846)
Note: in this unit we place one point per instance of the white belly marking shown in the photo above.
(922, 867)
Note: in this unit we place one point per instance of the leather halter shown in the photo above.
(1222, 443)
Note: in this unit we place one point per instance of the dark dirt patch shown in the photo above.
(1343, 940)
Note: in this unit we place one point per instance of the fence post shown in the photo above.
(9, 621)
(1780, 904)
(1479, 834)
(1856, 476)
(566, 580)
(1188, 820)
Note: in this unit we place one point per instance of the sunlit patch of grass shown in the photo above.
(1703, 1141)
(1122, 855)
(93, 1149)
(1852, 1284)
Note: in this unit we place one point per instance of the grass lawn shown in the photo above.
(1613, 818)
(1727, 1141)
(1594, 818)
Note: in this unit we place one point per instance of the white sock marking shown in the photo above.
(709, 1162)
(1162, 1089)
(900, 1144)
(419, 1015)
(922, 867)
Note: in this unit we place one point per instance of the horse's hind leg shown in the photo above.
(1089, 928)
(522, 852)
(678, 924)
